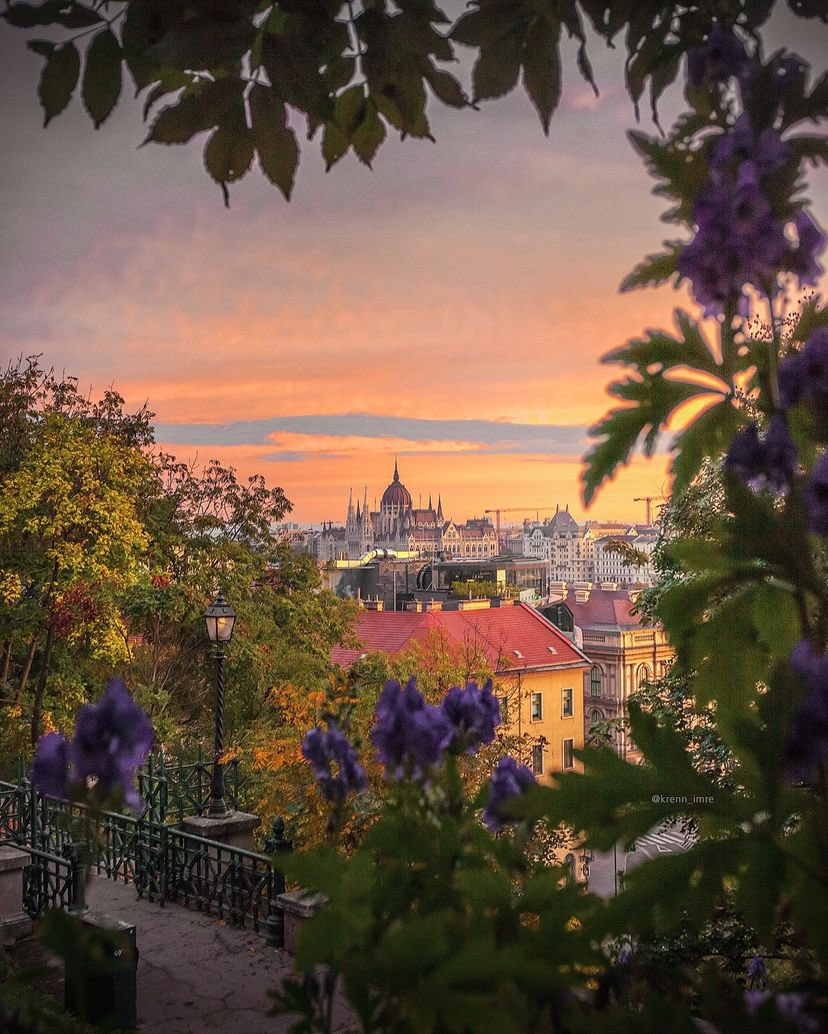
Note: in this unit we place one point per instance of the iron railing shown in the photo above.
(175, 789)
(163, 863)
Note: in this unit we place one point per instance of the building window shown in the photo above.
(642, 676)
(536, 707)
(567, 703)
(595, 687)
(537, 759)
(504, 709)
(568, 754)
(595, 716)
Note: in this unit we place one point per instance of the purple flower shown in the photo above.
(474, 713)
(721, 57)
(324, 747)
(791, 1007)
(791, 380)
(738, 241)
(757, 971)
(754, 1000)
(767, 463)
(804, 375)
(815, 367)
(111, 742)
(810, 243)
(509, 780)
(765, 153)
(49, 771)
(808, 739)
(816, 497)
(410, 735)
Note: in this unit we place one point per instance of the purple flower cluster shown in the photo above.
(111, 742)
(804, 375)
(808, 741)
(789, 1007)
(767, 463)
(509, 780)
(740, 239)
(410, 736)
(474, 712)
(324, 747)
(757, 973)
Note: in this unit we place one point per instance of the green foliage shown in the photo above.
(354, 71)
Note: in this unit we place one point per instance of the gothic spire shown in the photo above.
(396, 471)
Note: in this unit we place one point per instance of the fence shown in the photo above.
(177, 789)
(163, 863)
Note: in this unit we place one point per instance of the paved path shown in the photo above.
(659, 841)
(196, 975)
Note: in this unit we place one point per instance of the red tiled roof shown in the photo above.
(513, 637)
(604, 607)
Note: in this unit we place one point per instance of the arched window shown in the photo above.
(595, 683)
(643, 675)
(569, 862)
(595, 716)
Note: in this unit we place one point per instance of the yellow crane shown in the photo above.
(648, 499)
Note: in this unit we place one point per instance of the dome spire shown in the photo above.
(396, 471)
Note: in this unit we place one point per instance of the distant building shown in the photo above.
(539, 668)
(397, 525)
(624, 653)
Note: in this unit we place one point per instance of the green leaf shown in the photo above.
(67, 13)
(201, 109)
(169, 84)
(334, 144)
(445, 87)
(655, 269)
(497, 68)
(43, 47)
(369, 135)
(229, 151)
(102, 76)
(710, 434)
(58, 80)
(275, 141)
(542, 69)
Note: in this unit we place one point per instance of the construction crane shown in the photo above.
(515, 509)
(648, 499)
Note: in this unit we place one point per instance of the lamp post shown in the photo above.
(220, 618)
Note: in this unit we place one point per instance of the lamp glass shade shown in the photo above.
(220, 618)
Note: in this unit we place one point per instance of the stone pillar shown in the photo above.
(14, 923)
(299, 907)
(235, 829)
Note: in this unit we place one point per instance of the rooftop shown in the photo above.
(512, 636)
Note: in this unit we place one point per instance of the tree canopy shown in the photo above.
(250, 72)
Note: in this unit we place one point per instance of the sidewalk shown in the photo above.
(196, 974)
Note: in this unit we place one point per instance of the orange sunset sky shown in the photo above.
(449, 306)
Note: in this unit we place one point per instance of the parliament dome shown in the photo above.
(396, 495)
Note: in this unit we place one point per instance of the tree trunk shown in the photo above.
(7, 652)
(27, 666)
(37, 707)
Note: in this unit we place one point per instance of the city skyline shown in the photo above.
(450, 305)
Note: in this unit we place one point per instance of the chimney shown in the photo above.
(633, 594)
(376, 604)
(434, 605)
(474, 604)
(582, 591)
(415, 606)
(610, 586)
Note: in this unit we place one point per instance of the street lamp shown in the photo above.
(220, 618)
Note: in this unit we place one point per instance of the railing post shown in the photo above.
(276, 844)
(77, 886)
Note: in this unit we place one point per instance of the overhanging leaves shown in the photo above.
(58, 80)
(102, 76)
